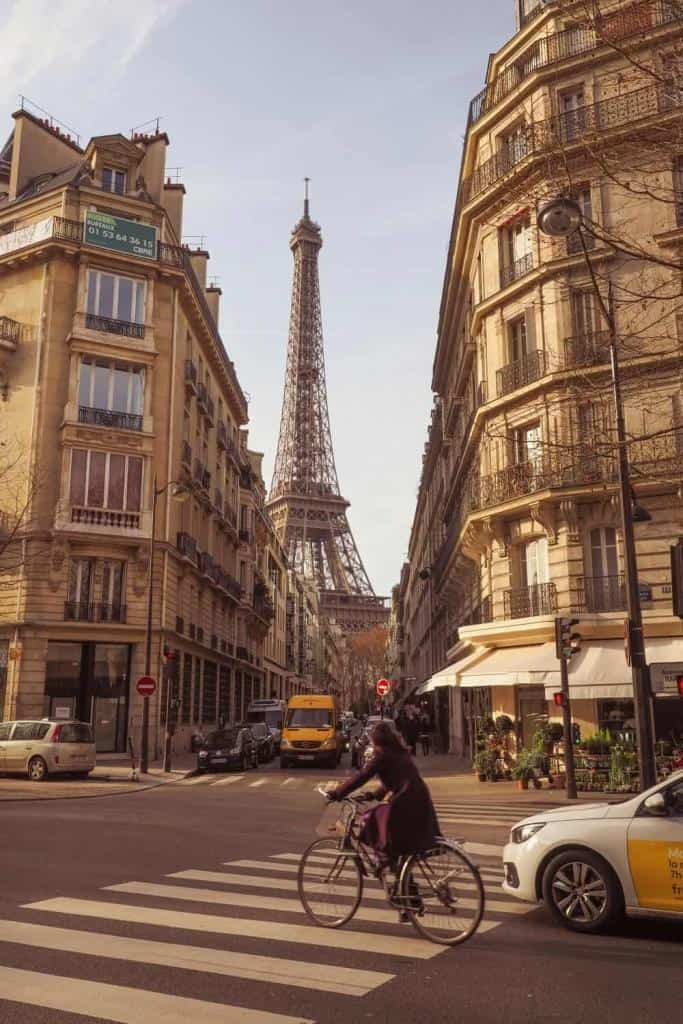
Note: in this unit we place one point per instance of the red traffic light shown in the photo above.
(679, 684)
(559, 699)
(170, 654)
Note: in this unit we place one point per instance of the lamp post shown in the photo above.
(560, 218)
(180, 493)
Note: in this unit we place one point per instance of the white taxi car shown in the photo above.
(590, 863)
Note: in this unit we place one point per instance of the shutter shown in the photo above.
(530, 323)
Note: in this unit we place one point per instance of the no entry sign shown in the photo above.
(146, 685)
(383, 687)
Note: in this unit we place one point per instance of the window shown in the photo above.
(583, 198)
(603, 551)
(527, 445)
(76, 732)
(112, 583)
(516, 253)
(209, 693)
(584, 319)
(115, 297)
(80, 582)
(5, 730)
(105, 480)
(514, 145)
(30, 730)
(534, 562)
(111, 387)
(572, 114)
(517, 336)
(114, 180)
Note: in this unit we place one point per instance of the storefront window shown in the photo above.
(90, 682)
(616, 717)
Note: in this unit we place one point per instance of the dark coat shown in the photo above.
(409, 823)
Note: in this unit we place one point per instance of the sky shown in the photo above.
(369, 99)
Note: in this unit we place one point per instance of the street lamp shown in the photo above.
(179, 493)
(559, 218)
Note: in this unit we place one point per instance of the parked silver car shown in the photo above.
(42, 748)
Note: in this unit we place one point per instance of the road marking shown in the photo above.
(290, 779)
(290, 868)
(228, 781)
(197, 779)
(122, 1004)
(259, 782)
(461, 820)
(193, 895)
(487, 871)
(254, 929)
(319, 977)
(485, 850)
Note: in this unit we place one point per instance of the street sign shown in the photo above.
(664, 677)
(146, 685)
(383, 687)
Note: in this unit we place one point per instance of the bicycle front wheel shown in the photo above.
(442, 892)
(330, 883)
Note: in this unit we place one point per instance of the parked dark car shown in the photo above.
(232, 747)
(265, 743)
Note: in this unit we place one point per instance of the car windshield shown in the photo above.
(309, 718)
(271, 716)
(224, 738)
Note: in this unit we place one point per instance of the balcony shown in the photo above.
(210, 409)
(544, 137)
(601, 593)
(524, 602)
(109, 418)
(186, 455)
(233, 452)
(245, 536)
(201, 396)
(532, 366)
(590, 349)
(112, 326)
(205, 481)
(191, 376)
(482, 392)
(172, 254)
(218, 501)
(513, 271)
(187, 546)
(86, 611)
(524, 478)
(228, 583)
(230, 516)
(198, 473)
(222, 435)
(205, 563)
(111, 518)
(10, 331)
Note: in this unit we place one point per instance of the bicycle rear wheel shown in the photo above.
(330, 883)
(442, 892)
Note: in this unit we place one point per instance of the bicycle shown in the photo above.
(439, 890)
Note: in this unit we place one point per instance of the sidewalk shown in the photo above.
(117, 767)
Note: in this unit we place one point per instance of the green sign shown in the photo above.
(120, 235)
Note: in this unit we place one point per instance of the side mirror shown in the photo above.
(656, 805)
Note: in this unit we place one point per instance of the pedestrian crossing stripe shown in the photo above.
(125, 1005)
(493, 871)
(102, 910)
(272, 970)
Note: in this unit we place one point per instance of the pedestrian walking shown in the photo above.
(425, 733)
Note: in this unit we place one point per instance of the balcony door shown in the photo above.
(518, 241)
(534, 564)
(572, 114)
(604, 591)
(80, 588)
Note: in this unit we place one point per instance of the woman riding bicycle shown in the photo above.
(407, 822)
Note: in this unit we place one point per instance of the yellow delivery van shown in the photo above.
(312, 731)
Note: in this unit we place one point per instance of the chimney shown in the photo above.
(213, 297)
(152, 167)
(199, 258)
(38, 148)
(172, 202)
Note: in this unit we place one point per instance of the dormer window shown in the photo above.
(114, 180)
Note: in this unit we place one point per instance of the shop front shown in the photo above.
(90, 682)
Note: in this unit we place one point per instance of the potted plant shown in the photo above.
(481, 762)
(522, 770)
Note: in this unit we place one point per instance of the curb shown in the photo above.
(79, 796)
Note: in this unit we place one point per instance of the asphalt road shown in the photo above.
(236, 946)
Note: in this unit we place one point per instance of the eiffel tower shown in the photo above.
(305, 503)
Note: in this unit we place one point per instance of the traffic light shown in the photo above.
(559, 699)
(170, 654)
(679, 684)
(677, 578)
(566, 642)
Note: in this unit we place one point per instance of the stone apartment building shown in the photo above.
(115, 386)
(517, 517)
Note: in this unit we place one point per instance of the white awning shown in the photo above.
(533, 665)
(599, 670)
(448, 676)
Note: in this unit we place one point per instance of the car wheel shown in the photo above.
(37, 769)
(582, 891)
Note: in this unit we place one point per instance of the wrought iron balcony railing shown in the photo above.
(532, 366)
(524, 478)
(601, 593)
(201, 395)
(222, 435)
(590, 349)
(186, 454)
(525, 602)
(513, 271)
(187, 546)
(89, 611)
(111, 326)
(109, 418)
(198, 471)
(10, 330)
(594, 120)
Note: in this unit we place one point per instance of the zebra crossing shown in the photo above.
(493, 815)
(251, 929)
